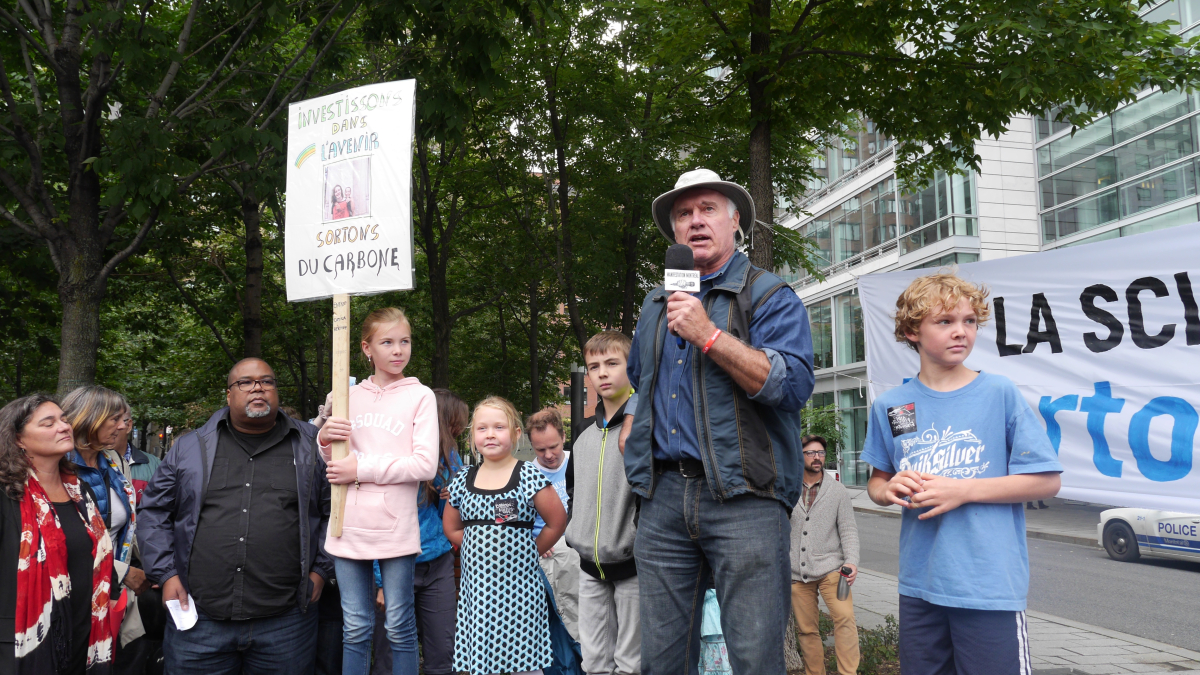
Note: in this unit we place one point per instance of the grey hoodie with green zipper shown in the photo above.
(603, 509)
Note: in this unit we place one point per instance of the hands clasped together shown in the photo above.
(915, 490)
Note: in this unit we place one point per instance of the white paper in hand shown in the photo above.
(184, 618)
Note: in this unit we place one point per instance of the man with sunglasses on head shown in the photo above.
(234, 521)
(824, 549)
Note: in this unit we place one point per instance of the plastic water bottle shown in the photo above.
(843, 585)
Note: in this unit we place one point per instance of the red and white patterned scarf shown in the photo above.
(43, 621)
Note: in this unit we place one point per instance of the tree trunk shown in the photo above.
(18, 389)
(435, 241)
(761, 190)
(792, 661)
(629, 301)
(439, 298)
(503, 352)
(566, 256)
(80, 338)
(304, 412)
(535, 389)
(252, 326)
(80, 292)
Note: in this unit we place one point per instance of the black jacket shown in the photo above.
(10, 550)
(171, 505)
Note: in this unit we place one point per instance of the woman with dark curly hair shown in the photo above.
(56, 559)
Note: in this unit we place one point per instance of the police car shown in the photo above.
(1127, 534)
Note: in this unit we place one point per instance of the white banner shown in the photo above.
(1104, 342)
(349, 210)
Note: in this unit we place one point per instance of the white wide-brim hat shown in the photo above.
(701, 178)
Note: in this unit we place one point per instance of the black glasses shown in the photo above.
(267, 384)
(814, 453)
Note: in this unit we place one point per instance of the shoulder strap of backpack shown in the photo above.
(744, 316)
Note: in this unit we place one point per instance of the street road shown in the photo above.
(1154, 598)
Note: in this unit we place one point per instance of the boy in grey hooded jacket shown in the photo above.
(603, 522)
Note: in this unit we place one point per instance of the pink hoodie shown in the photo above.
(395, 436)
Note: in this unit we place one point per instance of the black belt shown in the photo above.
(688, 468)
(526, 524)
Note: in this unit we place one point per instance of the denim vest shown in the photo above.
(746, 447)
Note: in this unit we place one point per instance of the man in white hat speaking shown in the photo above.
(713, 447)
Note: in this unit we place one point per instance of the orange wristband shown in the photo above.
(708, 345)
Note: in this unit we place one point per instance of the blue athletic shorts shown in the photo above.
(938, 640)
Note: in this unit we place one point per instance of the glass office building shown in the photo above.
(1129, 172)
(1042, 185)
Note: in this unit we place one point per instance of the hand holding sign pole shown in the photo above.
(349, 219)
(341, 401)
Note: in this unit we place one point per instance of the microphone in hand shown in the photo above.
(680, 275)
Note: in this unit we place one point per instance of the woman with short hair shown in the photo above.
(97, 416)
(56, 558)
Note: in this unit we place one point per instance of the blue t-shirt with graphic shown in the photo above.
(974, 556)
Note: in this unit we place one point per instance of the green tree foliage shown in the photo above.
(143, 209)
(934, 76)
(100, 104)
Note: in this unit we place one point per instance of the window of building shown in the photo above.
(1162, 221)
(823, 399)
(847, 229)
(1142, 157)
(848, 329)
(820, 319)
(1183, 12)
(949, 259)
(852, 405)
(844, 155)
(820, 167)
(817, 231)
(1047, 125)
(880, 214)
(1150, 112)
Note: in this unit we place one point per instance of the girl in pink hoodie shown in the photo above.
(393, 434)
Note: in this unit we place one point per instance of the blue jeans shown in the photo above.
(277, 645)
(356, 581)
(686, 538)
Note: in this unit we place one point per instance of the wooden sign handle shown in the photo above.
(341, 400)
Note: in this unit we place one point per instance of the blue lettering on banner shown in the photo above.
(1184, 420)
(1182, 432)
(1097, 407)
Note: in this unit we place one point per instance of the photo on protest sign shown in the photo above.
(347, 189)
(348, 220)
(1102, 340)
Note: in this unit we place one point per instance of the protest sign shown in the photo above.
(349, 206)
(349, 213)
(1102, 340)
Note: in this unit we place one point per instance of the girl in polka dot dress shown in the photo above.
(503, 620)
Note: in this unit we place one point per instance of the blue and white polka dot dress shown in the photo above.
(503, 624)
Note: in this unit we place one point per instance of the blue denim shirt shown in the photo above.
(780, 329)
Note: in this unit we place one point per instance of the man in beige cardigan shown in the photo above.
(824, 539)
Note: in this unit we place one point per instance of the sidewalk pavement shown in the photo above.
(1057, 646)
(1067, 521)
